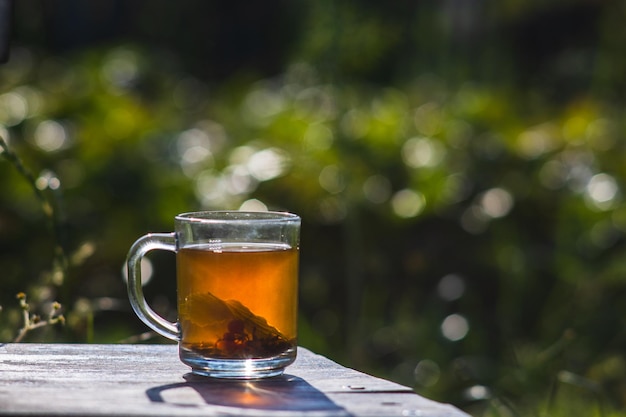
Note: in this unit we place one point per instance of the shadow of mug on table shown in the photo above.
(285, 393)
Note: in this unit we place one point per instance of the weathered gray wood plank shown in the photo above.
(149, 380)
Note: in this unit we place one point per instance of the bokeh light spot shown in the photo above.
(253, 205)
(421, 152)
(194, 149)
(268, 164)
(451, 287)
(355, 124)
(601, 191)
(474, 220)
(455, 327)
(377, 189)
(237, 180)
(241, 155)
(408, 203)
(315, 103)
(575, 129)
(477, 392)
(332, 210)
(456, 188)
(261, 105)
(331, 180)
(147, 271)
(535, 142)
(13, 108)
(496, 202)
(50, 136)
(601, 134)
(209, 189)
(428, 118)
(553, 174)
(47, 179)
(318, 137)
(33, 97)
(603, 234)
(427, 373)
(121, 68)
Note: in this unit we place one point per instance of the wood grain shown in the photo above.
(149, 380)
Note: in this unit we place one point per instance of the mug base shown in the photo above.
(237, 368)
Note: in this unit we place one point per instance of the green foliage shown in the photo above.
(462, 235)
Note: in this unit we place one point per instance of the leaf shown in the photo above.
(234, 330)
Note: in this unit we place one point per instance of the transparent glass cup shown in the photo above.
(237, 284)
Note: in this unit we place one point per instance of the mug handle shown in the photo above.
(143, 245)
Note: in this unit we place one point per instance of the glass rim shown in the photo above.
(237, 216)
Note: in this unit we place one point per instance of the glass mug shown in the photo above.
(237, 284)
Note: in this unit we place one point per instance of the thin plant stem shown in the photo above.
(60, 258)
(15, 160)
(32, 322)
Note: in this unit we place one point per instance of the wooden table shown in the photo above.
(149, 380)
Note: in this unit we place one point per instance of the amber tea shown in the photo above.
(238, 300)
(237, 280)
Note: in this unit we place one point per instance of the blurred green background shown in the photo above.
(458, 165)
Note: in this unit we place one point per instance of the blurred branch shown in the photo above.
(33, 321)
(17, 163)
(60, 258)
